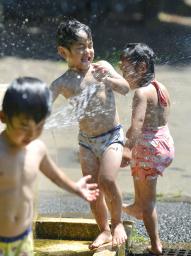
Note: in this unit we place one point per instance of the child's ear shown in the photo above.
(2, 117)
(62, 51)
(142, 68)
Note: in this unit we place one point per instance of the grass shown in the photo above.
(138, 239)
(139, 243)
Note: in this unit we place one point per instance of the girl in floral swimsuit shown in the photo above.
(149, 147)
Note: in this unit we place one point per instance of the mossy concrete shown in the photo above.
(65, 228)
(72, 236)
(44, 247)
(71, 228)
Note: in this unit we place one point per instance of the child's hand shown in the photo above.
(126, 158)
(88, 191)
(99, 72)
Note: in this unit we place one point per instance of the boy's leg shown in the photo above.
(109, 166)
(134, 209)
(90, 165)
(147, 188)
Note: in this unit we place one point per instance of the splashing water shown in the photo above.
(62, 117)
(86, 104)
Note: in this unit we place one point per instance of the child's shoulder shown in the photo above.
(61, 83)
(66, 84)
(37, 150)
(140, 91)
(61, 80)
(38, 144)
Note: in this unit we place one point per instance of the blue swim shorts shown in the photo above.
(98, 144)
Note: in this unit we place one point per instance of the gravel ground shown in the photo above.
(174, 217)
(174, 222)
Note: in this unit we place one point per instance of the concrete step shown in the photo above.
(71, 236)
(71, 228)
(45, 247)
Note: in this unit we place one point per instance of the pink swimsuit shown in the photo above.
(154, 150)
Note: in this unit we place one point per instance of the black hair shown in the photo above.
(67, 32)
(28, 96)
(139, 52)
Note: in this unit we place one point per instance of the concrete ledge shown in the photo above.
(60, 237)
(61, 248)
(71, 228)
(65, 228)
(44, 247)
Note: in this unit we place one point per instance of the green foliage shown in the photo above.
(112, 58)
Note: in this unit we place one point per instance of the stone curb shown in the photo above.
(44, 247)
(52, 235)
(70, 228)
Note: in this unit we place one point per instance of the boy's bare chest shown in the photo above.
(17, 170)
(90, 88)
(77, 83)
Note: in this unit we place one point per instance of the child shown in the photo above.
(148, 136)
(91, 88)
(26, 105)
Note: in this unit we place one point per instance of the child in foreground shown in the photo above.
(26, 105)
(149, 143)
(91, 88)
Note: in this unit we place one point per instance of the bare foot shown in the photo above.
(133, 210)
(155, 250)
(119, 234)
(103, 238)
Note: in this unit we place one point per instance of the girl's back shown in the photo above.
(158, 105)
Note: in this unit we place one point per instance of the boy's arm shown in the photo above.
(109, 76)
(137, 119)
(59, 86)
(82, 188)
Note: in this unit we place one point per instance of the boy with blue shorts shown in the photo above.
(90, 87)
